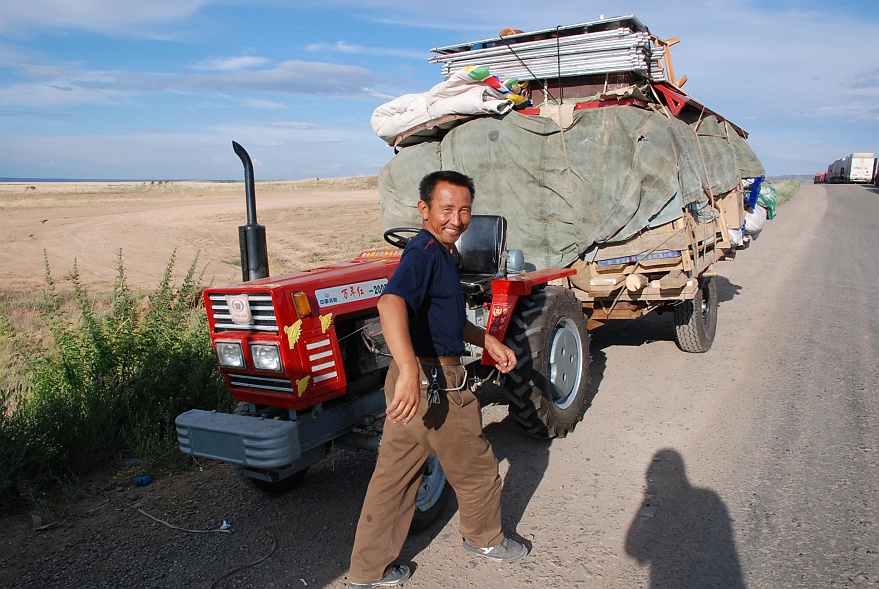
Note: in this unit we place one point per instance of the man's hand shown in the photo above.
(407, 396)
(395, 326)
(504, 357)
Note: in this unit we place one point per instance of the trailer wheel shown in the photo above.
(696, 319)
(547, 390)
(433, 495)
(274, 487)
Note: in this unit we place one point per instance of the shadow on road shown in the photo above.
(528, 460)
(683, 532)
(726, 290)
(655, 327)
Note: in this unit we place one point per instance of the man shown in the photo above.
(424, 321)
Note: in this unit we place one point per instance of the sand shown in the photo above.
(308, 223)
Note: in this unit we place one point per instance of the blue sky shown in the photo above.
(116, 89)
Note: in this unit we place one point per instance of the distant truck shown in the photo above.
(856, 168)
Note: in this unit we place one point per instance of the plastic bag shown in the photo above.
(736, 237)
(767, 200)
(755, 221)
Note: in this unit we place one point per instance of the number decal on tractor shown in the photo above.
(338, 295)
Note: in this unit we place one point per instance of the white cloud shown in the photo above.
(774, 71)
(107, 16)
(295, 125)
(292, 76)
(58, 93)
(343, 47)
(231, 64)
(850, 112)
(261, 103)
(72, 84)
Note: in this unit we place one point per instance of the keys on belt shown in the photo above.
(433, 389)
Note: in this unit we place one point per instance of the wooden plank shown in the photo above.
(650, 240)
(636, 282)
(653, 292)
(606, 282)
(673, 280)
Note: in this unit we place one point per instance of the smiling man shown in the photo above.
(425, 325)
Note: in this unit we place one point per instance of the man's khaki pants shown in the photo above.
(451, 430)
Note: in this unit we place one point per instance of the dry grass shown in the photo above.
(54, 194)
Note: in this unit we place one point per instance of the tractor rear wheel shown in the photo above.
(696, 319)
(547, 390)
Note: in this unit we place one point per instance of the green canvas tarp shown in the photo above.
(610, 174)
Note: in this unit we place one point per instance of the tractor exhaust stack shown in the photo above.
(252, 236)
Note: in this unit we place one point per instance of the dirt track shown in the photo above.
(687, 471)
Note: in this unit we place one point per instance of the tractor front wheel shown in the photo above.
(434, 493)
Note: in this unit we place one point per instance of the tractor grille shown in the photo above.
(265, 383)
(261, 310)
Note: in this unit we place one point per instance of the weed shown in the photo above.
(108, 381)
(785, 191)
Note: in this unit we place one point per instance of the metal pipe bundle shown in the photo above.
(619, 50)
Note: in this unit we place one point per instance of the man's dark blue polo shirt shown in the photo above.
(427, 279)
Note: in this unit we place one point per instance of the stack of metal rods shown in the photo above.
(620, 50)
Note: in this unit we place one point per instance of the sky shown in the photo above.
(158, 90)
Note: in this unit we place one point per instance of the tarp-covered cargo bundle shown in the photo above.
(603, 176)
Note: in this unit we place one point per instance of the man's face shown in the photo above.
(448, 215)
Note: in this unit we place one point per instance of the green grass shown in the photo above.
(104, 380)
(785, 191)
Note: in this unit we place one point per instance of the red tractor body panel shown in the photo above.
(505, 295)
(262, 312)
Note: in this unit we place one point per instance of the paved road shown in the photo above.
(804, 473)
(777, 484)
(753, 465)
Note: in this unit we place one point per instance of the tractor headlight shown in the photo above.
(230, 355)
(266, 357)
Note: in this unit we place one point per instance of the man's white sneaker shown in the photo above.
(507, 551)
(395, 574)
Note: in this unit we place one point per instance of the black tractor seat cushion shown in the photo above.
(481, 251)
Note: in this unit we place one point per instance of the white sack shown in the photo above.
(457, 95)
(755, 221)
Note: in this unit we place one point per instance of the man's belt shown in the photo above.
(440, 360)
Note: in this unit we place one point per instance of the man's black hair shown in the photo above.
(429, 182)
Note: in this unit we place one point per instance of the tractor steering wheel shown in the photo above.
(396, 238)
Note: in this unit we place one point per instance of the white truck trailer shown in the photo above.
(855, 168)
(859, 167)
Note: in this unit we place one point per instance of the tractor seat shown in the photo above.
(481, 256)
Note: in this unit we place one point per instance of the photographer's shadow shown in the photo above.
(684, 533)
(527, 459)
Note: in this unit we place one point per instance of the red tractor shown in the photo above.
(303, 354)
